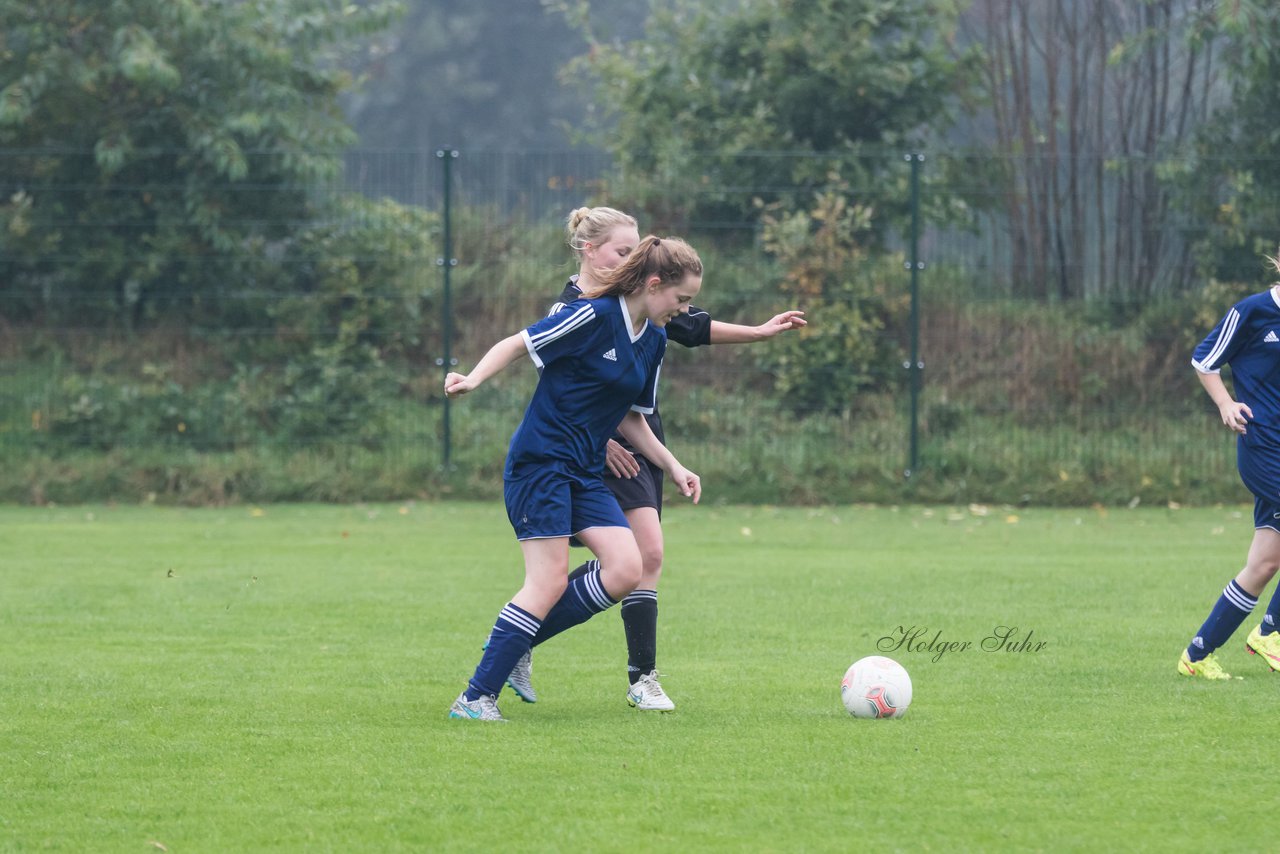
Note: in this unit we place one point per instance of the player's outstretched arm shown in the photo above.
(637, 431)
(1234, 414)
(733, 333)
(499, 356)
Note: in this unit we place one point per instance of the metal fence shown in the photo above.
(996, 380)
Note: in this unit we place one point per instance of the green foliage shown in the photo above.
(154, 148)
(152, 410)
(333, 392)
(330, 364)
(354, 303)
(360, 276)
(842, 354)
(326, 392)
(708, 111)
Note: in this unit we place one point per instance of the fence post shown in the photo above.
(446, 262)
(915, 366)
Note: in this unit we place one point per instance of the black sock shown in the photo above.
(640, 623)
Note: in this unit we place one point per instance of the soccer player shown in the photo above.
(599, 360)
(1247, 339)
(602, 238)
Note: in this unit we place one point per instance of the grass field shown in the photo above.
(277, 678)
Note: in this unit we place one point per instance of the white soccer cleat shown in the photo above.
(521, 679)
(483, 708)
(647, 695)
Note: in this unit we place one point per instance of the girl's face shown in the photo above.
(617, 245)
(663, 302)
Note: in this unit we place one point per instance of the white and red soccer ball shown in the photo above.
(876, 687)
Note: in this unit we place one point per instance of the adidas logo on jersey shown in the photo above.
(1271, 337)
(612, 355)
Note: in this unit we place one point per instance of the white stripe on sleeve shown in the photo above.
(1224, 340)
(583, 315)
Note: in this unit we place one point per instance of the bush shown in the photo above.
(846, 351)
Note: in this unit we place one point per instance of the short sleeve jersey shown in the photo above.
(1248, 339)
(593, 370)
(690, 330)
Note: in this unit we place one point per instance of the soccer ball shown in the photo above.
(876, 687)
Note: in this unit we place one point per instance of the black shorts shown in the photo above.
(643, 490)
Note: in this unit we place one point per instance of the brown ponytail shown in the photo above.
(670, 259)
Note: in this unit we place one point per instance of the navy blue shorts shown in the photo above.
(1258, 459)
(548, 501)
(643, 490)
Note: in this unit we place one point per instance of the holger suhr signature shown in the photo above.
(917, 639)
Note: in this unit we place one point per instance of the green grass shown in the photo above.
(277, 679)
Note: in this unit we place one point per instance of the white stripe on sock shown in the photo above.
(1236, 596)
(520, 621)
(595, 589)
(640, 596)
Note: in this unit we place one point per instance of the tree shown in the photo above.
(473, 74)
(1233, 184)
(707, 113)
(152, 149)
(1090, 106)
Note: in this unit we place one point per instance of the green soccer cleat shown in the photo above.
(1206, 668)
(1267, 647)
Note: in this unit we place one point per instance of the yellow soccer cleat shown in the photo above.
(1206, 668)
(1267, 647)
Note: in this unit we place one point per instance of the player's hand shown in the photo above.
(689, 483)
(619, 461)
(781, 323)
(1236, 415)
(457, 384)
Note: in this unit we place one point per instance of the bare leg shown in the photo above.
(619, 558)
(646, 526)
(546, 563)
(1262, 563)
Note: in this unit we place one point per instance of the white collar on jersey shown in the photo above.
(626, 316)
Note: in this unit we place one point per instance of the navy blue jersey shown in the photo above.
(1248, 339)
(592, 371)
(690, 330)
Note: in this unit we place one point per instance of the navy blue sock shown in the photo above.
(1228, 613)
(584, 569)
(583, 599)
(511, 638)
(1271, 619)
(640, 624)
